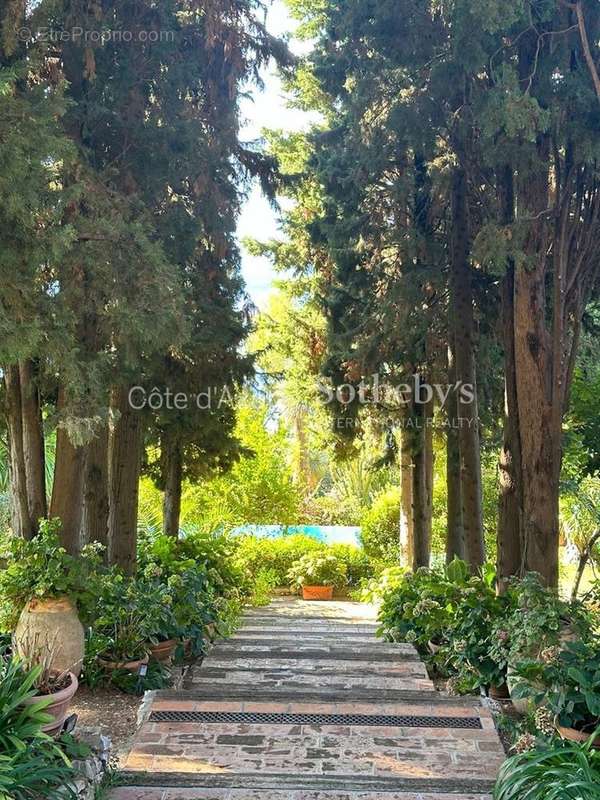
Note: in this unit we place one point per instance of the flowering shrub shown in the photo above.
(317, 570)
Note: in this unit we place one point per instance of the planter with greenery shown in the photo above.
(42, 589)
(317, 575)
(31, 764)
(535, 619)
(566, 681)
(123, 626)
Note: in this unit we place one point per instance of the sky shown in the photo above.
(266, 109)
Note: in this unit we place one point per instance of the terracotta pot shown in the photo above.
(499, 692)
(578, 736)
(130, 666)
(53, 626)
(59, 706)
(163, 651)
(317, 592)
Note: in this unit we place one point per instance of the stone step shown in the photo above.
(314, 649)
(417, 703)
(349, 676)
(182, 786)
(260, 793)
(243, 697)
(205, 744)
(258, 634)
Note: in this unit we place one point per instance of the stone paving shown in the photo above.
(305, 703)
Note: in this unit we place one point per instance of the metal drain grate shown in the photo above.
(240, 717)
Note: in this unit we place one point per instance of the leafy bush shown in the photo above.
(376, 589)
(316, 569)
(532, 621)
(380, 527)
(43, 569)
(31, 764)
(555, 771)
(422, 607)
(567, 681)
(359, 566)
(255, 554)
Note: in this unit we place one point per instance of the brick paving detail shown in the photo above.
(311, 658)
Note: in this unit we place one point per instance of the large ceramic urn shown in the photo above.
(52, 626)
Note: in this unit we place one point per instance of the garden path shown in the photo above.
(304, 703)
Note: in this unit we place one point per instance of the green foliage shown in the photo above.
(41, 568)
(567, 681)
(422, 607)
(316, 569)
(556, 771)
(479, 634)
(380, 527)
(533, 620)
(31, 764)
(276, 555)
(376, 589)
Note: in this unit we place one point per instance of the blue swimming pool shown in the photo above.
(328, 534)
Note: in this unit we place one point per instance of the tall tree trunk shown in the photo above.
(455, 537)
(33, 444)
(66, 503)
(125, 449)
(172, 477)
(422, 462)
(407, 532)
(463, 325)
(96, 493)
(22, 524)
(509, 537)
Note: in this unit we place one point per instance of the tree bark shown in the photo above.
(33, 444)
(21, 521)
(66, 503)
(125, 446)
(407, 532)
(510, 513)
(420, 488)
(455, 537)
(96, 495)
(463, 326)
(172, 479)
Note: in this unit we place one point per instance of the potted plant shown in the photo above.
(122, 627)
(162, 629)
(536, 619)
(54, 689)
(41, 587)
(567, 681)
(317, 575)
(31, 765)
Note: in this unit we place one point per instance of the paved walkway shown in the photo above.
(304, 703)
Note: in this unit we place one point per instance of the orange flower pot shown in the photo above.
(163, 651)
(317, 592)
(578, 736)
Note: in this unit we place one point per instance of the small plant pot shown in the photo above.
(499, 692)
(317, 592)
(59, 706)
(578, 736)
(163, 651)
(433, 647)
(130, 666)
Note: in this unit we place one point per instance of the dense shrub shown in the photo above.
(380, 527)
(254, 554)
(478, 633)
